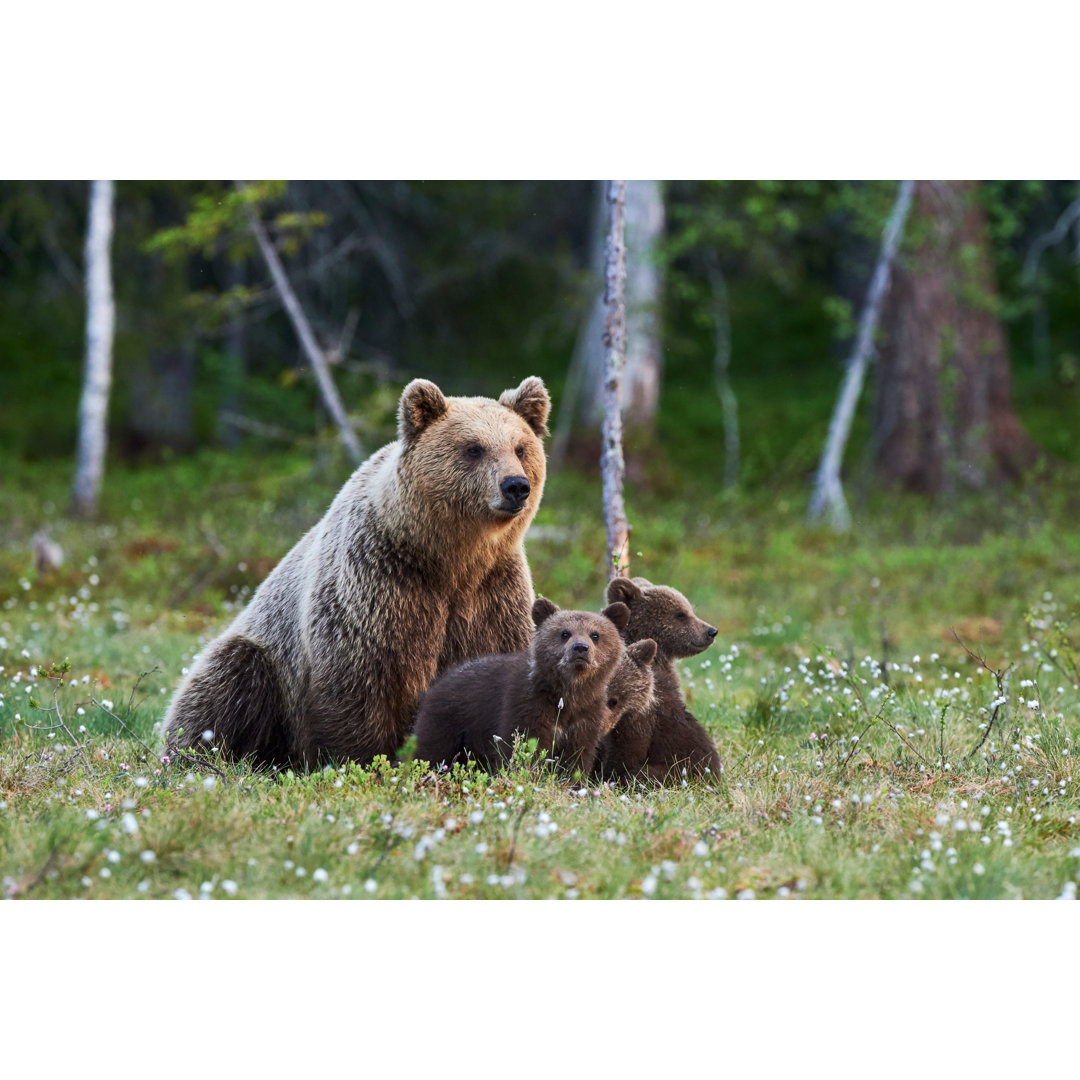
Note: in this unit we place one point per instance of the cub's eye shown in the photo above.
(682, 616)
(475, 451)
(612, 702)
(520, 451)
(566, 635)
(595, 636)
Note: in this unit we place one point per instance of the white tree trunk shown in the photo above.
(306, 335)
(828, 490)
(97, 369)
(644, 285)
(583, 399)
(611, 461)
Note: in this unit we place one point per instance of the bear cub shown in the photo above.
(556, 693)
(631, 686)
(662, 739)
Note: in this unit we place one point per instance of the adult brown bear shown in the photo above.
(418, 565)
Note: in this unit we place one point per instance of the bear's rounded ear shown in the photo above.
(642, 652)
(422, 403)
(531, 402)
(622, 589)
(619, 614)
(542, 609)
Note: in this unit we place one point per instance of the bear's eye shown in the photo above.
(475, 451)
(520, 451)
(682, 616)
(595, 636)
(612, 702)
(566, 635)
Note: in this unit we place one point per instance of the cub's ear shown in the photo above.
(422, 403)
(619, 614)
(642, 652)
(542, 609)
(531, 402)
(623, 589)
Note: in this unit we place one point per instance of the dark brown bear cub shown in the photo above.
(554, 693)
(630, 688)
(662, 740)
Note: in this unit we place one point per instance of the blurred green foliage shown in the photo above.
(478, 284)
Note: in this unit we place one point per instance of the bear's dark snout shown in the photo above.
(515, 490)
(579, 648)
(711, 632)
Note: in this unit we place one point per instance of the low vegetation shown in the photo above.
(897, 710)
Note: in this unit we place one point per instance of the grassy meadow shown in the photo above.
(867, 753)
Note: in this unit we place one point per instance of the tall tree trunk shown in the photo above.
(611, 461)
(97, 371)
(308, 342)
(582, 407)
(828, 489)
(644, 286)
(944, 411)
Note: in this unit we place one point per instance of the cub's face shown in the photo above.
(476, 458)
(663, 614)
(577, 646)
(630, 688)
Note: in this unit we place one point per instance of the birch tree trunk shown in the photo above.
(644, 286)
(97, 369)
(306, 336)
(582, 408)
(611, 460)
(828, 489)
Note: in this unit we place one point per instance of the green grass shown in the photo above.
(806, 617)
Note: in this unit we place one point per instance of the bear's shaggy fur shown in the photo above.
(417, 566)
(630, 688)
(554, 693)
(663, 740)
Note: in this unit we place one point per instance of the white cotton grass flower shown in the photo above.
(129, 824)
(321, 876)
(229, 887)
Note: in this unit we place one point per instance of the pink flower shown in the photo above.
(124, 768)
(107, 807)
(812, 735)
(165, 760)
